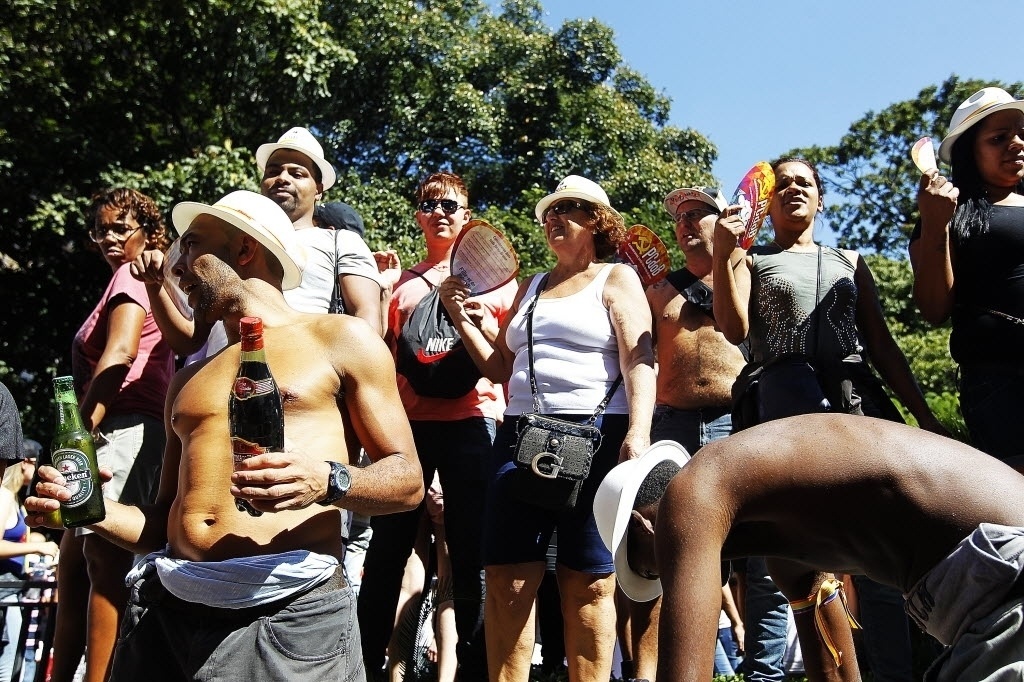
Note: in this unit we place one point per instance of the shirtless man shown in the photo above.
(697, 366)
(934, 518)
(223, 590)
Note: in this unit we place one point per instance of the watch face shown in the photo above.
(342, 479)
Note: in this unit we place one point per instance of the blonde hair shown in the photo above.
(14, 477)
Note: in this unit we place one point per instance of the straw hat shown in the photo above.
(300, 140)
(979, 105)
(257, 216)
(573, 187)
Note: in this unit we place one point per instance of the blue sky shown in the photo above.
(759, 78)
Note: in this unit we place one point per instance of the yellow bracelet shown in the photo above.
(828, 591)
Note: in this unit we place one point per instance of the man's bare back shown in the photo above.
(846, 494)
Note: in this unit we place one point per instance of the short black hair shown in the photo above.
(655, 483)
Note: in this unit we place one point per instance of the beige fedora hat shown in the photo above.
(573, 187)
(983, 103)
(257, 216)
(300, 140)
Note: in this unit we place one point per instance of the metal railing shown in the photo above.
(38, 604)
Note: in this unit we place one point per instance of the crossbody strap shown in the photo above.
(336, 305)
(533, 376)
(817, 302)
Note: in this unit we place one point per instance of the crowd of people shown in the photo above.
(721, 365)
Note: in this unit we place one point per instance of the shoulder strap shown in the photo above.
(693, 290)
(336, 305)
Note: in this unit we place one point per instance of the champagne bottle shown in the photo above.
(74, 456)
(255, 409)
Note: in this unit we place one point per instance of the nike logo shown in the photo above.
(426, 357)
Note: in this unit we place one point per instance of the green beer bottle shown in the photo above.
(74, 456)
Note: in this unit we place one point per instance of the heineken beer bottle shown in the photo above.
(255, 409)
(74, 456)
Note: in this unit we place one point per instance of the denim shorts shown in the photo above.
(517, 532)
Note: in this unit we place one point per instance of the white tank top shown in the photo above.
(576, 355)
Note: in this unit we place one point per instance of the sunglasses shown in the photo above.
(561, 208)
(449, 206)
(693, 215)
(121, 232)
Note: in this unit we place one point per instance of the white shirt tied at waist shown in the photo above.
(238, 583)
(968, 584)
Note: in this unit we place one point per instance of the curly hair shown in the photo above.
(140, 206)
(609, 232)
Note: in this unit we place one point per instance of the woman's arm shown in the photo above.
(884, 352)
(932, 255)
(124, 331)
(492, 358)
(731, 268)
(631, 319)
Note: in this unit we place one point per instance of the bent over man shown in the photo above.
(822, 494)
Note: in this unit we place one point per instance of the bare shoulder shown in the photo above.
(660, 293)
(623, 284)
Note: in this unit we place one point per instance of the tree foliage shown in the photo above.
(871, 172)
(173, 98)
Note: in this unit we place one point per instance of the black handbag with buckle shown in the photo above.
(552, 455)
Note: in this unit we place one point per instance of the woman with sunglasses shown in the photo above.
(591, 326)
(453, 437)
(122, 367)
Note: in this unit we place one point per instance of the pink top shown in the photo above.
(145, 387)
(488, 399)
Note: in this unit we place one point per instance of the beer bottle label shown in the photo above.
(73, 465)
(243, 449)
(245, 388)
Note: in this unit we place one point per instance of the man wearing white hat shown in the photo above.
(926, 514)
(224, 593)
(339, 272)
(295, 174)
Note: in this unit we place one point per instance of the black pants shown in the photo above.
(460, 451)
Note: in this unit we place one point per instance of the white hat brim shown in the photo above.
(327, 175)
(946, 148)
(613, 507)
(543, 204)
(292, 263)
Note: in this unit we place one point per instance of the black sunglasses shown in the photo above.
(562, 207)
(449, 206)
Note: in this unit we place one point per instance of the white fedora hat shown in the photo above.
(300, 140)
(613, 506)
(712, 196)
(257, 216)
(976, 107)
(573, 187)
